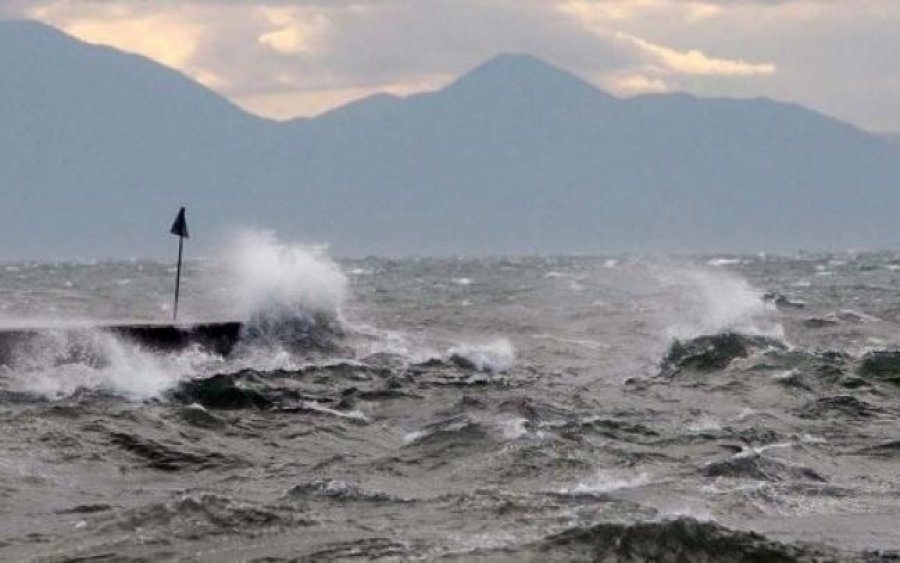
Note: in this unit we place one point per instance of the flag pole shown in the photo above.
(178, 278)
(179, 228)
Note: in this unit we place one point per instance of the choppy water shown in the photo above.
(497, 409)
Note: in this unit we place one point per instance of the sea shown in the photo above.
(536, 408)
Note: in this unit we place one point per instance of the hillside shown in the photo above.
(98, 148)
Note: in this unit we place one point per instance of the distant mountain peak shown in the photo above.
(521, 61)
(33, 25)
(374, 104)
(43, 67)
(20, 30)
(520, 71)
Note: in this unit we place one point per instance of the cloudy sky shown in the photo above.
(287, 58)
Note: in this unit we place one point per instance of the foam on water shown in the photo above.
(703, 424)
(375, 341)
(415, 436)
(513, 428)
(497, 356)
(62, 362)
(355, 415)
(717, 262)
(605, 481)
(679, 512)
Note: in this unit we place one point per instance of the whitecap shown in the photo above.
(497, 356)
(718, 262)
(605, 481)
(514, 428)
(703, 424)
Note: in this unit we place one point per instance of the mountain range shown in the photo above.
(99, 148)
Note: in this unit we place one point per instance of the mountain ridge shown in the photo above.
(515, 156)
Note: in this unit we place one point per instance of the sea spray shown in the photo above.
(371, 342)
(713, 302)
(288, 294)
(61, 362)
(497, 356)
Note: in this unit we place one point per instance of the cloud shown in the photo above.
(267, 48)
(163, 35)
(694, 61)
(174, 48)
(294, 32)
(604, 13)
(318, 54)
(283, 104)
(15, 9)
(630, 84)
(767, 2)
(300, 57)
(276, 48)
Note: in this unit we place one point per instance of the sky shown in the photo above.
(291, 58)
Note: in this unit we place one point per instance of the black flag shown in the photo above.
(179, 227)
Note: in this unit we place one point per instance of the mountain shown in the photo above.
(98, 148)
(517, 156)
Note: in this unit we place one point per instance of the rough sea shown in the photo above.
(614, 408)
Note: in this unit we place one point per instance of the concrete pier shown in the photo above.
(218, 337)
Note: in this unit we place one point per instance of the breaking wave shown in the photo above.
(61, 362)
(287, 293)
(714, 302)
(605, 481)
(494, 357)
(290, 295)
